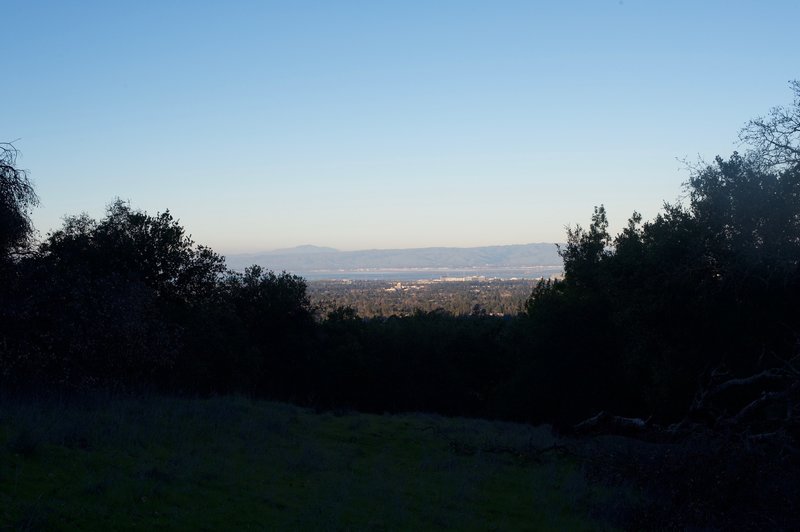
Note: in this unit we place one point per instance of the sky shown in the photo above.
(382, 124)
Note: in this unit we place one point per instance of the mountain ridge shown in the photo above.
(309, 259)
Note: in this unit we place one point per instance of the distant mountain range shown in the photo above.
(317, 262)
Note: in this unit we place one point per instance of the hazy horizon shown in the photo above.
(333, 248)
(519, 261)
(383, 126)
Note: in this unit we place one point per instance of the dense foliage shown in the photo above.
(707, 287)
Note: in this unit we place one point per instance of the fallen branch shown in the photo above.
(752, 407)
(766, 376)
(605, 422)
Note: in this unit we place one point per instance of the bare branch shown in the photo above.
(776, 137)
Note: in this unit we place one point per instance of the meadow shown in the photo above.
(105, 463)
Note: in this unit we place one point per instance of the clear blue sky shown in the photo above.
(380, 124)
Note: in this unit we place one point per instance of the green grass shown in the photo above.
(237, 464)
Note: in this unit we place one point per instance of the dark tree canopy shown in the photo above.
(752, 214)
(706, 290)
(17, 197)
(154, 250)
(585, 248)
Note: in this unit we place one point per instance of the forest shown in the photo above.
(683, 327)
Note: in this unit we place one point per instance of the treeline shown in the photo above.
(130, 303)
(691, 317)
(640, 323)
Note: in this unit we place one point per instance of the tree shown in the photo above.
(751, 213)
(585, 249)
(16, 199)
(152, 249)
(277, 318)
(108, 302)
(775, 138)
(699, 303)
(265, 299)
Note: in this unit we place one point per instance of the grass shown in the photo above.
(237, 464)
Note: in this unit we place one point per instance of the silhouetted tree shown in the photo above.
(707, 288)
(585, 249)
(107, 302)
(278, 319)
(16, 199)
(152, 249)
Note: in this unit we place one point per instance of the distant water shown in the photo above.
(414, 274)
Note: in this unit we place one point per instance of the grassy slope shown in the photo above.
(232, 463)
